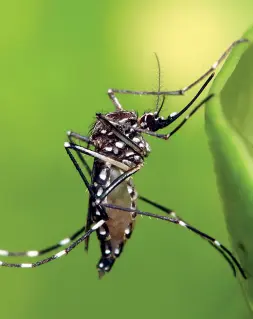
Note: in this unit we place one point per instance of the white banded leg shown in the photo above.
(174, 215)
(35, 253)
(179, 222)
(186, 88)
(59, 254)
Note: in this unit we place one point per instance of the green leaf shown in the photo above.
(229, 125)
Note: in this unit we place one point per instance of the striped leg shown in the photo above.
(173, 214)
(59, 254)
(111, 92)
(109, 189)
(180, 222)
(35, 253)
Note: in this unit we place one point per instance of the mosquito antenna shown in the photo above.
(159, 81)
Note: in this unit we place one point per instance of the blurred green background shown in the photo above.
(57, 60)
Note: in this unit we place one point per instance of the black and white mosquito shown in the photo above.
(119, 151)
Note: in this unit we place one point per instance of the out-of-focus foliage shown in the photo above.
(57, 60)
(229, 125)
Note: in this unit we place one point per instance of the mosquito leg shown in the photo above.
(35, 253)
(59, 254)
(79, 137)
(103, 158)
(114, 100)
(173, 214)
(167, 136)
(83, 177)
(72, 135)
(179, 222)
(215, 65)
(186, 88)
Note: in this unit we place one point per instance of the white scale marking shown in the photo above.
(26, 265)
(148, 147)
(173, 114)
(1, 263)
(66, 144)
(181, 223)
(60, 253)
(129, 189)
(100, 191)
(4, 253)
(216, 243)
(97, 212)
(123, 120)
(120, 144)
(103, 131)
(141, 145)
(133, 206)
(127, 231)
(102, 232)
(103, 175)
(108, 148)
(32, 253)
(136, 140)
(115, 150)
(98, 224)
(107, 251)
(214, 66)
(129, 153)
(101, 265)
(116, 251)
(64, 241)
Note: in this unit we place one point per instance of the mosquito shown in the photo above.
(118, 147)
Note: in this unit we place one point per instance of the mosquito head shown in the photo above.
(153, 122)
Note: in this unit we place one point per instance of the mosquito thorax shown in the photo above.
(109, 144)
